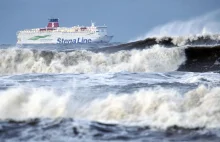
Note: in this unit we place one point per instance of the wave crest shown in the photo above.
(157, 107)
(15, 61)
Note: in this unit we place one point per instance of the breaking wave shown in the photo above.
(155, 59)
(180, 41)
(157, 107)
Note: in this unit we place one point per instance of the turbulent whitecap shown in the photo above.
(155, 59)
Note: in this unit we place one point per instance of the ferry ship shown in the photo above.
(54, 34)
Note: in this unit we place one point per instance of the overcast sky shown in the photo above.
(126, 19)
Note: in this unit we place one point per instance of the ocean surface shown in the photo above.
(157, 89)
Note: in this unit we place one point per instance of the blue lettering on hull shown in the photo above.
(73, 41)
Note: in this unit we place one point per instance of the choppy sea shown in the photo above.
(157, 89)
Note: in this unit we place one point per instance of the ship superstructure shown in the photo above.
(54, 34)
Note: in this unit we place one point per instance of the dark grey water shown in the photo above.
(126, 95)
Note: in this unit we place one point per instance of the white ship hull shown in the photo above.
(62, 38)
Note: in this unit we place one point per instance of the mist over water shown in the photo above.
(207, 24)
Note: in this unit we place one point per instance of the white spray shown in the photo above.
(208, 24)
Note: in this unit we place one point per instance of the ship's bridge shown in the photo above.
(101, 29)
